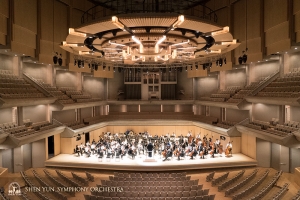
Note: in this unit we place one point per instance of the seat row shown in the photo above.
(149, 175)
(142, 193)
(139, 183)
(230, 181)
(66, 179)
(205, 197)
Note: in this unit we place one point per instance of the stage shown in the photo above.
(139, 163)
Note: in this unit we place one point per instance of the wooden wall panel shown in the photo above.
(275, 12)
(76, 18)
(20, 33)
(25, 14)
(297, 22)
(3, 24)
(239, 22)
(225, 67)
(298, 37)
(296, 6)
(2, 39)
(22, 49)
(46, 10)
(277, 33)
(253, 19)
(57, 145)
(223, 17)
(60, 22)
(196, 73)
(82, 5)
(4, 8)
(283, 45)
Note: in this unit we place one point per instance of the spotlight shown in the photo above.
(240, 60)
(119, 69)
(104, 67)
(75, 62)
(89, 65)
(55, 58)
(245, 58)
(191, 67)
(217, 62)
(129, 70)
(204, 66)
(93, 66)
(60, 60)
(96, 67)
(196, 67)
(186, 68)
(220, 62)
(114, 69)
(82, 63)
(225, 61)
(79, 63)
(108, 68)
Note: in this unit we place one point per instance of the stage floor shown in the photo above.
(139, 164)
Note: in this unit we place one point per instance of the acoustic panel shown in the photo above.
(76, 18)
(2, 39)
(104, 74)
(277, 33)
(283, 45)
(20, 33)
(4, 8)
(296, 6)
(297, 22)
(22, 49)
(82, 5)
(46, 10)
(196, 73)
(275, 12)
(3, 24)
(25, 14)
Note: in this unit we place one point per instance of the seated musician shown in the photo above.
(173, 135)
(168, 154)
(180, 153)
(82, 148)
(131, 153)
(77, 150)
(217, 143)
(193, 152)
(87, 151)
(189, 134)
(100, 152)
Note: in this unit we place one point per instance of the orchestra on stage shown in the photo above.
(167, 146)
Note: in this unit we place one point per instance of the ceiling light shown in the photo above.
(179, 21)
(65, 44)
(224, 30)
(183, 43)
(73, 32)
(116, 43)
(116, 22)
(136, 40)
(228, 43)
(296, 48)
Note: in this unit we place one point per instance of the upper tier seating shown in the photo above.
(150, 115)
(287, 86)
(273, 127)
(226, 124)
(75, 125)
(222, 95)
(14, 87)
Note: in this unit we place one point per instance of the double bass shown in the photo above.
(228, 150)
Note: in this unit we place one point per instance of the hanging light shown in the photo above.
(220, 62)
(55, 58)
(240, 60)
(60, 61)
(224, 61)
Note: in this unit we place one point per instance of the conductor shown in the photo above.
(150, 148)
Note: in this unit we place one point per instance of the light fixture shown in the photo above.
(136, 40)
(225, 61)
(65, 44)
(116, 22)
(55, 58)
(116, 43)
(73, 32)
(196, 66)
(220, 62)
(96, 67)
(179, 21)
(104, 66)
(228, 43)
(186, 68)
(60, 61)
(224, 30)
(191, 67)
(182, 43)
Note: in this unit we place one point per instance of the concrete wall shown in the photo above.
(38, 71)
(265, 112)
(184, 83)
(150, 108)
(6, 62)
(62, 76)
(7, 159)
(236, 115)
(86, 112)
(6, 115)
(262, 69)
(64, 116)
(115, 84)
(27, 156)
(263, 153)
(35, 113)
(294, 60)
(215, 112)
(295, 116)
(236, 77)
(206, 86)
(94, 86)
(38, 153)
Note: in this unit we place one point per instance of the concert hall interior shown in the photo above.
(168, 99)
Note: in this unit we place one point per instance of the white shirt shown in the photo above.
(229, 145)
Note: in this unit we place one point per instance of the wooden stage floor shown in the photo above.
(139, 163)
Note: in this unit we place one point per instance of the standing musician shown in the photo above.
(77, 150)
(228, 149)
(220, 148)
(150, 149)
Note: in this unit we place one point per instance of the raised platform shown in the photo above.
(138, 164)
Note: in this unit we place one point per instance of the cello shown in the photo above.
(228, 149)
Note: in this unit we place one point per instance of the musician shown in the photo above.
(181, 153)
(150, 149)
(82, 148)
(193, 152)
(173, 135)
(87, 151)
(189, 134)
(77, 150)
(229, 147)
(168, 154)
(131, 152)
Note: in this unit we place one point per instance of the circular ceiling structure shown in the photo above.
(150, 38)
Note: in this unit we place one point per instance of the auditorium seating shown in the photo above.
(273, 127)
(75, 125)
(14, 87)
(167, 186)
(27, 129)
(66, 179)
(55, 193)
(80, 179)
(297, 196)
(231, 181)
(226, 124)
(287, 86)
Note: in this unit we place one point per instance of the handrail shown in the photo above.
(41, 88)
(258, 88)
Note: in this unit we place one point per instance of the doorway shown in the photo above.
(50, 146)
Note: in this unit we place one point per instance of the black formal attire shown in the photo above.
(150, 149)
